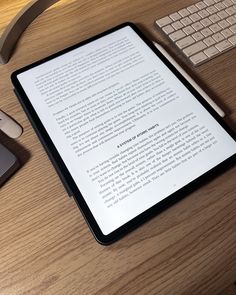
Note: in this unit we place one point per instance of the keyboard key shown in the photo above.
(209, 2)
(195, 17)
(214, 18)
(222, 14)
(192, 49)
(206, 32)
(185, 42)
(211, 9)
(175, 16)
(227, 3)
(233, 40)
(186, 21)
(177, 35)
(218, 37)
(211, 51)
(227, 33)
(215, 28)
(223, 46)
(192, 9)
(206, 22)
(230, 10)
(198, 36)
(177, 25)
(233, 29)
(223, 24)
(201, 5)
(164, 21)
(203, 13)
(198, 58)
(188, 30)
(231, 20)
(184, 12)
(197, 26)
(168, 29)
(219, 6)
(209, 41)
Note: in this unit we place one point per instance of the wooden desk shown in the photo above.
(45, 245)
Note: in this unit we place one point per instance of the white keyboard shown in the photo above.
(203, 30)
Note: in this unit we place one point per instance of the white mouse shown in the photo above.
(9, 126)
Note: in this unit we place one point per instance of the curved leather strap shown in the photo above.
(17, 26)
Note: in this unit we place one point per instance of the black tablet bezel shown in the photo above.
(65, 174)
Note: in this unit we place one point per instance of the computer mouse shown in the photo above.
(9, 126)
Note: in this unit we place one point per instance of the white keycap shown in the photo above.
(227, 33)
(198, 58)
(206, 22)
(218, 37)
(209, 41)
(185, 42)
(192, 9)
(209, 2)
(230, 10)
(233, 29)
(201, 5)
(223, 24)
(186, 21)
(195, 17)
(211, 51)
(164, 21)
(211, 9)
(203, 13)
(214, 18)
(192, 49)
(177, 35)
(223, 46)
(197, 36)
(231, 20)
(197, 26)
(188, 30)
(206, 32)
(177, 25)
(222, 14)
(175, 16)
(232, 39)
(219, 6)
(168, 29)
(215, 28)
(184, 12)
(227, 3)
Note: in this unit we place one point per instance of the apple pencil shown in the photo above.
(190, 80)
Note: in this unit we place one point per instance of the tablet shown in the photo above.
(126, 132)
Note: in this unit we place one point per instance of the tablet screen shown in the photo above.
(128, 130)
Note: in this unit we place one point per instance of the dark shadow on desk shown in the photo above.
(22, 154)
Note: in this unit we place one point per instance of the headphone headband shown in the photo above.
(17, 26)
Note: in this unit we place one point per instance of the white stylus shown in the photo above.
(190, 80)
(9, 126)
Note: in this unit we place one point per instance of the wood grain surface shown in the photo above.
(45, 244)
